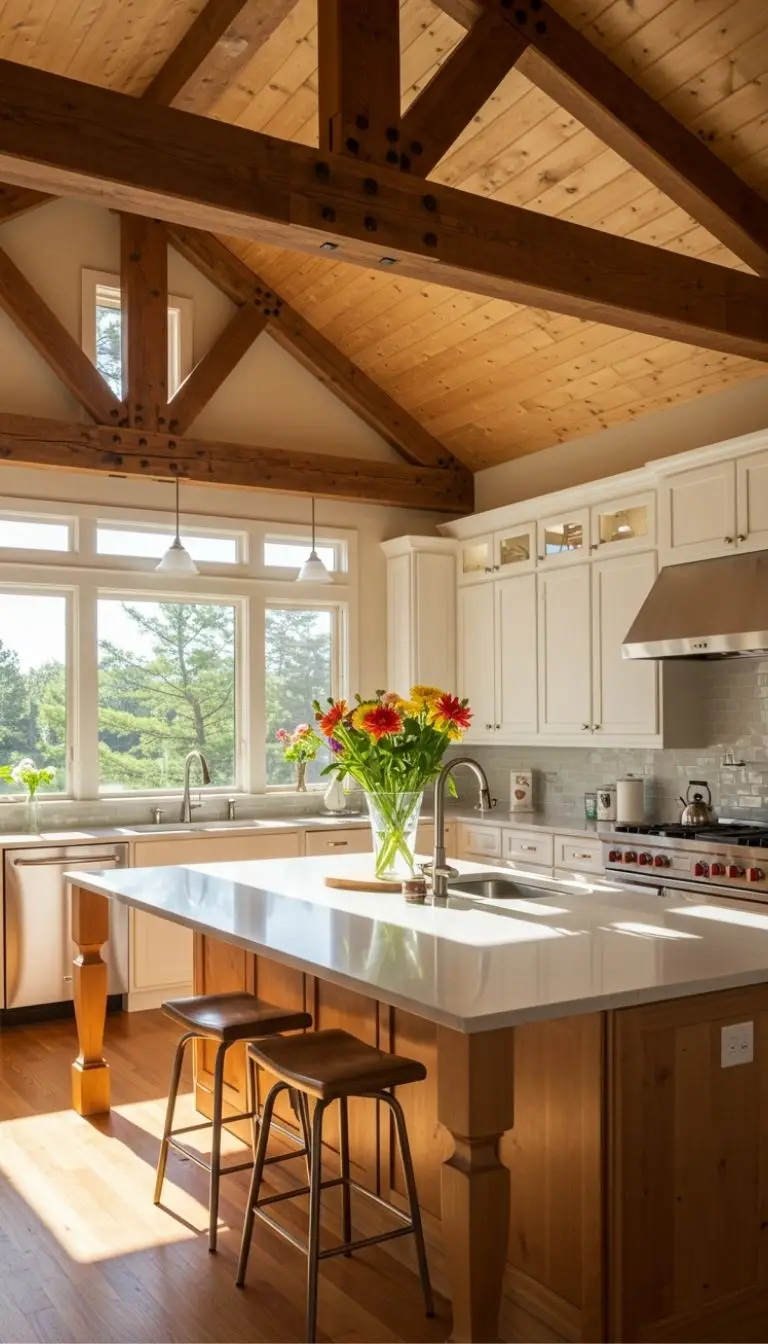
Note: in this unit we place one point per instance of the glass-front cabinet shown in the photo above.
(626, 524)
(512, 551)
(564, 537)
(475, 559)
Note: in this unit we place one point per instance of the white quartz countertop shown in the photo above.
(470, 965)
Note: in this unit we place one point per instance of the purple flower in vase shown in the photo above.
(335, 746)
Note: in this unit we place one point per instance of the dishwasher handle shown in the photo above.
(105, 861)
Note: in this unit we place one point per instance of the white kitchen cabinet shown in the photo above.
(475, 648)
(160, 953)
(421, 613)
(624, 524)
(565, 653)
(475, 559)
(697, 511)
(563, 537)
(349, 840)
(625, 697)
(752, 502)
(514, 549)
(478, 841)
(515, 657)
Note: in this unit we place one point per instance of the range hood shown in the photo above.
(706, 609)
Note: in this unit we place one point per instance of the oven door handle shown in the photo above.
(108, 861)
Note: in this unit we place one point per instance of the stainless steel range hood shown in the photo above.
(707, 609)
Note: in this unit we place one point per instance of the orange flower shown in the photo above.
(381, 721)
(334, 715)
(451, 716)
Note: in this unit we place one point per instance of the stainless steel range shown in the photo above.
(726, 857)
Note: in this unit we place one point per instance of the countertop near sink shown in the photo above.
(560, 823)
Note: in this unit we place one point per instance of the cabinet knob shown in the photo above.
(585, 727)
(728, 541)
(496, 568)
(497, 726)
(489, 569)
(597, 727)
(742, 536)
(489, 727)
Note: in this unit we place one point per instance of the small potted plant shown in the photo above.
(301, 746)
(26, 774)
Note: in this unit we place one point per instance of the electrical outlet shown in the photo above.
(737, 1044)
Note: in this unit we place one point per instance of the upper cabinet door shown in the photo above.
(625, 694)
(622, 525)
(698, 513)
(515, 549)
(516, 657)
(475, 657)
(564, 537)
(752, 502)
(475, 559)
(565, 652)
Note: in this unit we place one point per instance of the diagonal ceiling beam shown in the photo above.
(143, 453)
(333, 368)
(358, 78)
(458, 89)
(90, 142)
(215, 367)
(581, 79)
(42, 328)
(15, 201)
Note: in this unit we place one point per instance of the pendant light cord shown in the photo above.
(178, 538)
(313, 524)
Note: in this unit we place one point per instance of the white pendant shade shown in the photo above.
(313, 570)
(176, 560)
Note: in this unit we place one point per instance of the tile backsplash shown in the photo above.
(735, 721)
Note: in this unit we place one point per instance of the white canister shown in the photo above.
(606, 803)
(630, 800)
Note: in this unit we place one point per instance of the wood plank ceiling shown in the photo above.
(490, 379)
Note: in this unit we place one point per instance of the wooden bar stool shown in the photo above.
(332, 1066)
(226, 1019)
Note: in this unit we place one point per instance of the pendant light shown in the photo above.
(313, 570)
(177, 559)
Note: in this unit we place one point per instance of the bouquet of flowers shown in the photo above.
(301, 746)
(393, 747)
(26, 775)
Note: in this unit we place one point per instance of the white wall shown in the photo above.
(269, 400)
(738, 410)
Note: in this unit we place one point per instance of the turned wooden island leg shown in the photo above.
(475, 1088)
(90, 1071)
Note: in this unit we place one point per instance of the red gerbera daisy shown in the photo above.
(451, 715)
(334, 715)
(383, 721)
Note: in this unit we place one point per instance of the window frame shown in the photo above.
(339, 667)
(69, 594)
(180, 333)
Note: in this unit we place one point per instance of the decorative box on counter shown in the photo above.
(521, 791)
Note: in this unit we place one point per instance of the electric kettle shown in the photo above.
(697, 811)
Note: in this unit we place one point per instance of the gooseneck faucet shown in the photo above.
(186, 803)
(438, 869)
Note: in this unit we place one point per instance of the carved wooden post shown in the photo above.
(90, 1071)
(475, 1088)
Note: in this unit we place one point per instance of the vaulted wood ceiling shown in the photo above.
(490, 379)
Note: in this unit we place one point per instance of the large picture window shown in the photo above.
(299, 656)
(166, 687)
(33, 683)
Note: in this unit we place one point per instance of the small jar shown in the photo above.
(414, 889)
(590, 806)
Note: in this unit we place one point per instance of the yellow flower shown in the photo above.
(360, 712)
(424, 697)
(407, 708)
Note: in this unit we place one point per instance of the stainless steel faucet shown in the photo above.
(186, 803)
(437, 869)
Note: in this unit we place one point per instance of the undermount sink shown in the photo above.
(494, 886)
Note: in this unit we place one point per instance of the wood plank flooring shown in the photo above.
(86, 1258)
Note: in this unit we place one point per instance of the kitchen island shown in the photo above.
(586, 1167)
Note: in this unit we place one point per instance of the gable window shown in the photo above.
(102, 331)
(33, 683)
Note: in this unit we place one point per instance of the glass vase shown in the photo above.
(301, 776)
(394, 820)
(32, 823)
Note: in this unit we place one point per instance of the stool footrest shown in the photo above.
(332, 1182)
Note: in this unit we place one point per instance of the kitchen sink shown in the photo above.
(493, 886)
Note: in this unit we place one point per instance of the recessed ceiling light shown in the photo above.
(328, 247)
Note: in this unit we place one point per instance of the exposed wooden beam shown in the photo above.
(215, 367)
(219, 43)
(334, 369)
(458, 89)
(144, 293)
(358, 47)
(91, 142)
(125, 452)
(587, 83)
(53, 342)
(15, 201)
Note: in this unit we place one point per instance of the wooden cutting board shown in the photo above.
(361, 884)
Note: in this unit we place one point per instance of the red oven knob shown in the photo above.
(735, 871)
(614, 856)
(661, 861)
(755, 875)
(701, 870)
(630, 856)
(717, 870)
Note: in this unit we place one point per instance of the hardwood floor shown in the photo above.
(85, 1257)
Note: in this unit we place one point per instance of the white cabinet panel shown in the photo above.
(475, 650)
(565, 652)
(350, 840)
(699, 513)
(516, 657)
(625, 699)
(421, 619)
(535, 847)
(478, 840)
(752, 502)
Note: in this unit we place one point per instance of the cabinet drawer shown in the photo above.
(345, 841)
(479, 841)
(581, 855)
(529, 847)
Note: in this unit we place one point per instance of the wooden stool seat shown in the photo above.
(233, 1017)
(332, 1064)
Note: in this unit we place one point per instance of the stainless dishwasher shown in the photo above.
(38, 923)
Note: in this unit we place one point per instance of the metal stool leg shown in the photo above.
(314, 1220)
(253, 1192)
(302, 1110)
(218, 1112)
(251, 1093)
(346, 1194)
(178, 1061)
(410, 1185)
